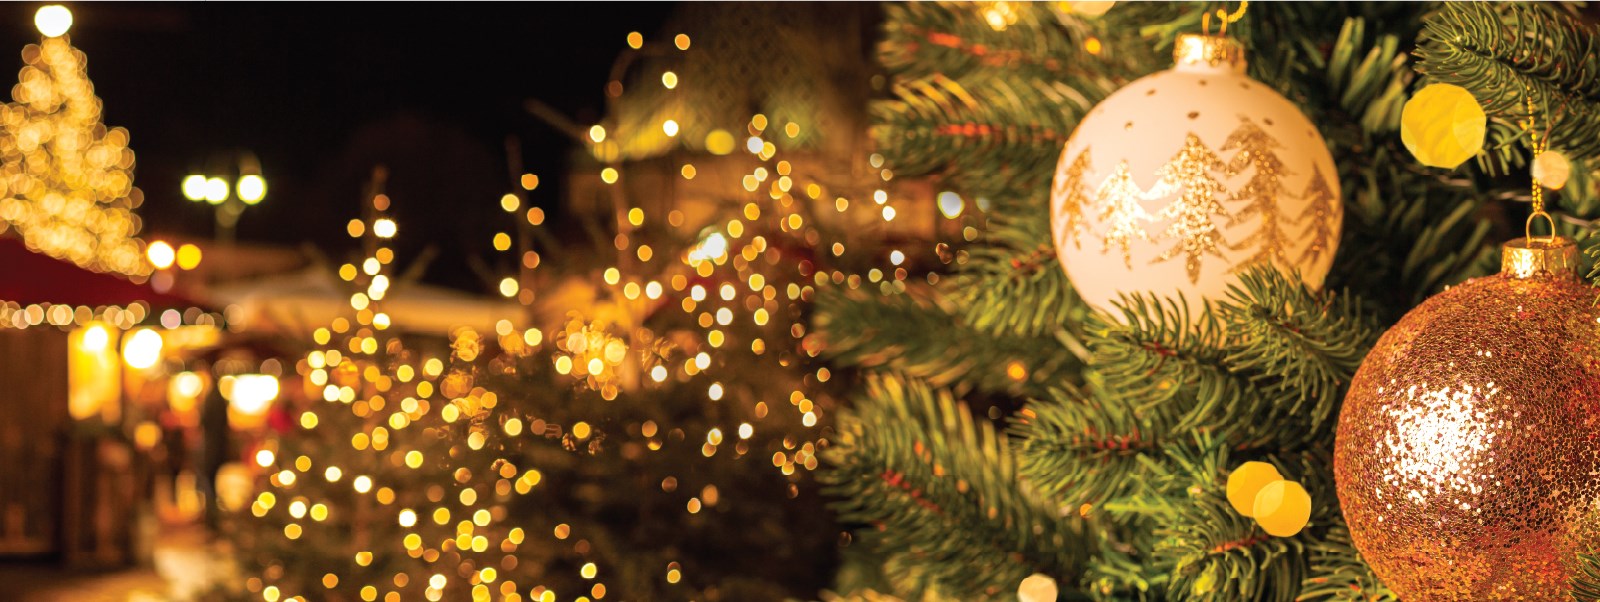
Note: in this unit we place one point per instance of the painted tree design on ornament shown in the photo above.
(1191, 213)
(1265, 188)
(1321, 210)
(1069, 188)
(1118, 201)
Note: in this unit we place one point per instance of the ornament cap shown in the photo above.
(1529, 257)
(1197, 52)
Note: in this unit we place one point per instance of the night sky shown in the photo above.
(321, 92)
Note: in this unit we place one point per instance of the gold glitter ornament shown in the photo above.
(1466, 456)
(1182, 179)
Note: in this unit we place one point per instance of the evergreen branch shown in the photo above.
(1338, 574)
(1211, 551)
(924, 38)
(987, 138)
(942, 488)
(1305, 343)
(1507, 53)
(900, 333)
(1170, 372)
(1080, 451)
(1586, 584)
(1013, 284)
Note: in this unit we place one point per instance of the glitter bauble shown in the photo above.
(1181, 179)
(1468, 451)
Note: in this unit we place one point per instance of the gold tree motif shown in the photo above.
(1321, 209)
(1068, 187)
(1118, 200)
(1265, 188)
(1190, 170)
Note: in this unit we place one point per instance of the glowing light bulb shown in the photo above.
(143, 349)
(161, 255)
(53, 20)
(194, 187)
(216, 190)
(252, 188)
(95, 338)
(384, 228)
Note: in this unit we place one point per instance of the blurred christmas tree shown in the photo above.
(648, 432)
(1121, 427)
(67, 182)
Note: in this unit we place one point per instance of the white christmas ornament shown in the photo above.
(1184, 178)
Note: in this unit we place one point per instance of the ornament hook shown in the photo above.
(1527, 227)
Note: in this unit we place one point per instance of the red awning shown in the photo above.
(27, 277)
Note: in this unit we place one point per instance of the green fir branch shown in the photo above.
(942, 488)
(904, 334)
(1304, 343)
(921, 39)
(1506, 53)
(1081, 450)
(1013, 284)
(1211, 551)
(1337, 573)
(991, 137)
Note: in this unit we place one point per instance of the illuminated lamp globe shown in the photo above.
(1182, 180)
(143, 349)
(194, 188)
(53, 21)
(161, 255)
(216, 190)
(252, 188)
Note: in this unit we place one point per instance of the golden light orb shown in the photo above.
(53, 20)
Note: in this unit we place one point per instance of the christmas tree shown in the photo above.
(67, 178)
(1094, 447)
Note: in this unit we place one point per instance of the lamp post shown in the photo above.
(229, 200)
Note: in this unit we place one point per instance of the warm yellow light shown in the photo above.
(160, 254)
(681, 41)
(670, 127)
(216, 190)
(253, 393)
(719, 142)
(194, 187)
(252, 188)
(264, 458)
(508, 287)
(635, 40)
(609, 175)
(53, 20)
(597, 133)
(186, 384)
(669, 79)
(143, 349)
(509, 202)
(384, 228)
(188, 257)
(95, 338)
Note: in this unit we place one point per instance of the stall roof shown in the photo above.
(28, 277)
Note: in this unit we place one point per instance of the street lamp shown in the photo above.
(230, 201)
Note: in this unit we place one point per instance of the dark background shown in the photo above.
(321, 92)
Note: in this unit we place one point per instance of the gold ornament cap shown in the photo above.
(1198, 52)
(1552, 256)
